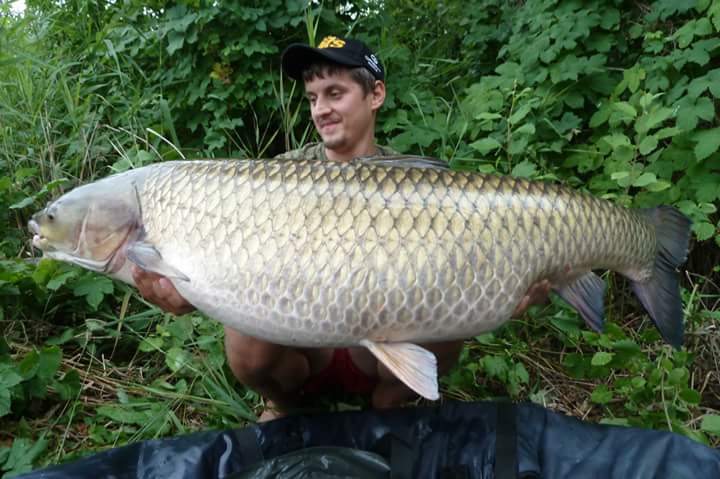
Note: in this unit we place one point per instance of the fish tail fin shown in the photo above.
(660, 294)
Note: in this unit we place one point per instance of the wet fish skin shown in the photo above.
(382, 254)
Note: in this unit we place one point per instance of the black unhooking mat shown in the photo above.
(455, 440)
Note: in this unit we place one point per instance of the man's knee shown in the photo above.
(248, 357)
(447, 354)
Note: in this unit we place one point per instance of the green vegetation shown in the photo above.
(617, 98)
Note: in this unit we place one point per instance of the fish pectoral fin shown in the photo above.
(411, 364)
(148, 258)
(587, 295)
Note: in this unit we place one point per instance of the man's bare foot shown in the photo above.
(271, 412)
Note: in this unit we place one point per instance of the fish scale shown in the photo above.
(377, 252)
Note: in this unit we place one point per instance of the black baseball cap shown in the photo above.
(345, 51)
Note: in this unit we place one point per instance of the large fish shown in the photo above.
(383, 253)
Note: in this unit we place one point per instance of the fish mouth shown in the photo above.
(38, 240)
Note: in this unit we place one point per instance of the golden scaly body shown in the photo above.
(321, 254)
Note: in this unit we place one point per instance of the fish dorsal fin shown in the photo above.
(411, 364)
(587, 295)
(148, 258)
(404, 161)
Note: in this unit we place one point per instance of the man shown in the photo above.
(345, 85)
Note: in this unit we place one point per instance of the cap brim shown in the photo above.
(297, 57)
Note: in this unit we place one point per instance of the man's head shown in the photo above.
(334, 51)
(344, 82)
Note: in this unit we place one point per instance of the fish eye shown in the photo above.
(50, 217)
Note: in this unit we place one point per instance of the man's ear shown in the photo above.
(378, 95)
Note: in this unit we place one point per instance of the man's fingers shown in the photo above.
(522, 306)
(536, 294)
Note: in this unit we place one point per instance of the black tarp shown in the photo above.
(454, 440)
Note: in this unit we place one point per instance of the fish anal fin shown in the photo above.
(147, 257)
(586, 294)
(410, 363)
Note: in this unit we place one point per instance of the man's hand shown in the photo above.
(537, 294)
(160, 291)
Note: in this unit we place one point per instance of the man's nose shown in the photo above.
(322, 107)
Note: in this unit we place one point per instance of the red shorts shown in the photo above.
(343, 374)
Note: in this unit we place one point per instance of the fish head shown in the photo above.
(87, 226)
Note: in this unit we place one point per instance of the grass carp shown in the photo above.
(379, 252)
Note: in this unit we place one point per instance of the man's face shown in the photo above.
(342, 114)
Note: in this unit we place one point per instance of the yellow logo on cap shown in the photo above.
(331, 42)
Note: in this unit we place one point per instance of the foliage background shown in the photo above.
(615, 97)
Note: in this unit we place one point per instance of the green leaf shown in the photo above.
(125, 414)
(495, 366)
(58, 281)
(175, 41)
(487, 116)
(181, 329)
(711, 424)
(22, 454)
(678, 376)
(644, 180)
(94, 288)
(691, 111)
(48, 362)
(24, 173)
(521, 374)
(601, 116)
(29, 365)
(610, 18)
(666, 133)
(521, 113)
(707, 208)
(714, 14)
(150, 344)
(524, 169)
(708, 142)
(176, 359)
(690, 396)
(4, 406)
(601, 394)
(66, 335)
(648, 145)
(485, 145)
(601, 358)
(703, 230)
(9, 376)
(708, 191)
(633, 76)
(22, 203)
(527, 129)
(616, 140)
(659, 185)
(69, 386)
(625, 108)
